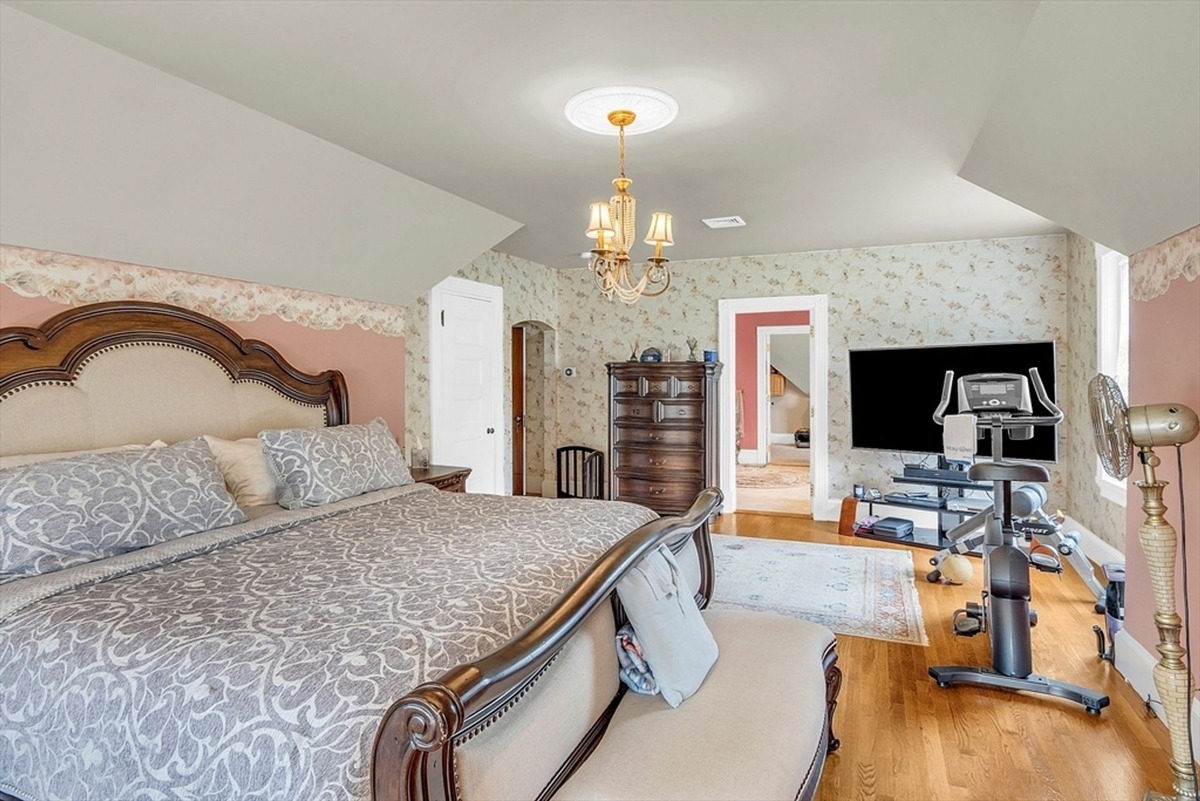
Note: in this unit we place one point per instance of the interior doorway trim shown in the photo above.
(765, 332)
(824, 508)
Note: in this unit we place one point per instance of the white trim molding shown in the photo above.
(751, 457)
(762, 378)
(817, 306)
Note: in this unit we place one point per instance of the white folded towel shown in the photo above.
(958, 438)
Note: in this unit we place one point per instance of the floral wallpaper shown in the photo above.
(1076, 366)
(77, 280)
(1152, 270)
(983, 290)
(1005, 289)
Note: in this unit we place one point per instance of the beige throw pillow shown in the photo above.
(244, 468)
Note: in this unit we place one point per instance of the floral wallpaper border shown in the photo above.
(1152, 270)
(76, 280)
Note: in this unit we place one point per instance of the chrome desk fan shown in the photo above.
(1117, 429)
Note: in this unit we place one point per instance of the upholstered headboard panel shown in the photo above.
(128, 371)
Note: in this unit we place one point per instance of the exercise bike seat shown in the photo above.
(1007, 471)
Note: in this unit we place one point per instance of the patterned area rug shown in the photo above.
(771, 476)
(863, 592)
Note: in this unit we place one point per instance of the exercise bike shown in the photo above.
(1002, 405)
(1043, 535)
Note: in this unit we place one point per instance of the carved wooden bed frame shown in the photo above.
(55, 351)
(413, 756)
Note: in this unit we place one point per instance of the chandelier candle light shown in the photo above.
(612, 223)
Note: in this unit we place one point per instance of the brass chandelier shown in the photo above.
(612, 225)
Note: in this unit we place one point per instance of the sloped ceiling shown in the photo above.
(789, 355)
(101, 155)
(824, 124)
(1098, 124)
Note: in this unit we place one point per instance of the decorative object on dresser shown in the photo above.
(662, 432)
(652, 355)
(444, 477)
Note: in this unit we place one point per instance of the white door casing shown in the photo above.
(765, 332)
(466, 373)
(824, 507)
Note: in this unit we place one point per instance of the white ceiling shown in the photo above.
(823, 124)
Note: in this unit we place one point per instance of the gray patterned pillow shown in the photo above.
(316, 466)
(71, 511)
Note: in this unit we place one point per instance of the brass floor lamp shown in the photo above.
(1117, 430)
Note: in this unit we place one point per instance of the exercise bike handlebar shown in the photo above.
(1039, 389)
(939, 414)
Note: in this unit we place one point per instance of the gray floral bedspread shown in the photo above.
(261, 666)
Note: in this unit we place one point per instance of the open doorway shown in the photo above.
(745, 426)
(777, 475)
(532, 405)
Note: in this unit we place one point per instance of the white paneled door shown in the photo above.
(466, 371)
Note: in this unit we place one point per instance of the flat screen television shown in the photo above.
(894, 392)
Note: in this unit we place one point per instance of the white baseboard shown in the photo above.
(1136, 664)
(549, 488)
(750, 457)
(1096, 549)
(781, 439)
(826, 508)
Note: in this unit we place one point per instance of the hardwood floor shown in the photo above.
(905, 738)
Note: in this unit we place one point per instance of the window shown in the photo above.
(1112, 341)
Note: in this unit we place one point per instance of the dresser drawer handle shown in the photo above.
(682, 412)
(657, 462)
(656, 437)
(657, 490)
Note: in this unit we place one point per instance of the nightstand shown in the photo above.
(444, 477)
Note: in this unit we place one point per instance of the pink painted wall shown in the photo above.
(1164, 367)
(372, 363)
(746, 344)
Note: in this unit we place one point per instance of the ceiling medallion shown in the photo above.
(612, 223)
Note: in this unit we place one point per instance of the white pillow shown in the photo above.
(21, 459)
(244, 468)
(676, 642)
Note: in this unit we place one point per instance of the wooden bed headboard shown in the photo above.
(133, 371)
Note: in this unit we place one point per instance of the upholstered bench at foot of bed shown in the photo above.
(756, 729)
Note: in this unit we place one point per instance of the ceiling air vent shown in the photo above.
(724, 222)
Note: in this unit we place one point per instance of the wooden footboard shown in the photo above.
(829, 742)
(414, 747)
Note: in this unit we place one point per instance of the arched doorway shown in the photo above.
(533, 360)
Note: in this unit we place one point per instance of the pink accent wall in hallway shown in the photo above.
(372, 363)
(746, 342)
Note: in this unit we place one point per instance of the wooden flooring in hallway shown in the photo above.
(904, 738)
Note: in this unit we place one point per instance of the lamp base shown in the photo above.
(1154, 795)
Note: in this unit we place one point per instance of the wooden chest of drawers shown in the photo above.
(662, 432)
